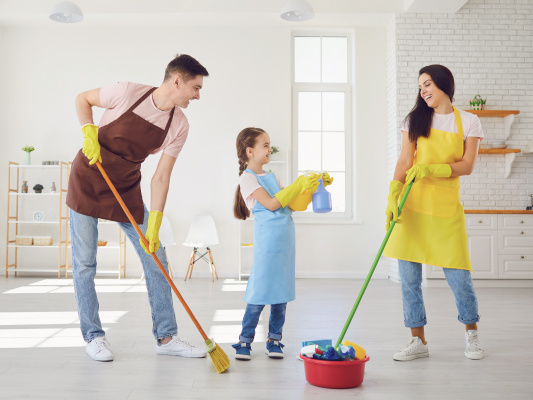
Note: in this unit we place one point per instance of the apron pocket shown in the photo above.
(439, 201)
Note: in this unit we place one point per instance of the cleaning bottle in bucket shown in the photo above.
(321, 199)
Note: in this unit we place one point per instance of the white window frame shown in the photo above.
(347, 88)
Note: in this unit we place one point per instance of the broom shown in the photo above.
(371, 272)
(219, 358)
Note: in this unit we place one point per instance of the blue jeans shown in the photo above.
(251, 319)
(84, 237)
(459, 280)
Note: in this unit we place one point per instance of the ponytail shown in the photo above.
(246, 138)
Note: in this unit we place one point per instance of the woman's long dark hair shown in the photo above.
(419, 119)
(246, 138)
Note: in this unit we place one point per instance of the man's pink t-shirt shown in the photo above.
(119, 97)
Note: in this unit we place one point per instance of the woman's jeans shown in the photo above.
(459, 280)
(251, 319)
(84, 236)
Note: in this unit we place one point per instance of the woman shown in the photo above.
(439, 144)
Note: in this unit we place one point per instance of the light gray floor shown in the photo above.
(42, 355)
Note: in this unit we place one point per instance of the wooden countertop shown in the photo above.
(498, 211)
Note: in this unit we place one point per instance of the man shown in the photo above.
(139, 120)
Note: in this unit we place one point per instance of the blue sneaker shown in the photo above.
(273, 349)
(243, 351)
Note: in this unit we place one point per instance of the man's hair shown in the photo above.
(186, 66)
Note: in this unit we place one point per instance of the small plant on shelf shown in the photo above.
(477, 103)
(275, 149)
(28, 150)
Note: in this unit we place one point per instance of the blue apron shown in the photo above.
(272, 280)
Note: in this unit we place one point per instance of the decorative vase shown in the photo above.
(28, 158)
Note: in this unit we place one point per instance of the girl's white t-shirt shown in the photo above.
(446, 122)
(250, 184)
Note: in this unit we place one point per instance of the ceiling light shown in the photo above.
(66, 11)
(297, 10)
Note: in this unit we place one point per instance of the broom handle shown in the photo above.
(371, 272)
(145, 241)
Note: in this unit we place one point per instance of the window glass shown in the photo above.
(335, 59)
(307, 59)
(309, 111)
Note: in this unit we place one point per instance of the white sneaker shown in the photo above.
(98, 349)
(179, 347)
(414, 349)
(473, 350)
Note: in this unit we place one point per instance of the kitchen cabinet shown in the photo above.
(500, 245)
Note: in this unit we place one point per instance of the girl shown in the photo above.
(272, 279)
(439, 144)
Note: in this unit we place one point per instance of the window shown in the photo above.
(321, 114)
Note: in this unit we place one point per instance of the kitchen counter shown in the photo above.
(498, 211)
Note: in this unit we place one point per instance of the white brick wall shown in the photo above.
(488, 46)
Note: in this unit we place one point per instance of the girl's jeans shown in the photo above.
(459, 281)
(251, 319)
(84, 236)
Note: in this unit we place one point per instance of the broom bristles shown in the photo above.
(219, 358)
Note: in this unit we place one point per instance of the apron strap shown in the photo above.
(170, 119)
(458, 122)
(144, 96)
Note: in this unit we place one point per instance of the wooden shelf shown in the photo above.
(493, 113)
(498, 151)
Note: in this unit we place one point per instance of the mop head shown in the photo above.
(219, 358)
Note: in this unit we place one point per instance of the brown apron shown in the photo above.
(124, 145)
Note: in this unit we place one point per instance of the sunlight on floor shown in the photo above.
(47, 337)
(28, 338)
(229, 315)
(54, 317)
(230, 333)
(56, 286)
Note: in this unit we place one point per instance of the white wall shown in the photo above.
(250, 85)
(488, 46)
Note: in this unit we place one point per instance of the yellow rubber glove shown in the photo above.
(420, 171)
(301, 202)
(395, 188)
(152, 232)
(285, 196)
(91, 147)
(328, 180)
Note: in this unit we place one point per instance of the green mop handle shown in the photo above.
(371, 272)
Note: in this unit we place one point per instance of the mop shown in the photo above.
(217, 355)
(343, 349)
(371, 272)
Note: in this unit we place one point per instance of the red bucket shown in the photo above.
(334, 374)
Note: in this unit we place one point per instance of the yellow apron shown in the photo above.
(431, 229)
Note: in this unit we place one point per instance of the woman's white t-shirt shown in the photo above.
(446, 122)
(250, 184)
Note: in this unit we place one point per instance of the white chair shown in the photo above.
(202, 233)
(166, 237)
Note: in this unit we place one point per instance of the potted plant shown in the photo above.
(28, 150)
(275, 150)
(477, 103)
(38, 188)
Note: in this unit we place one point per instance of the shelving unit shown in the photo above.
(58, 223)
(508, 119)
(14, 220)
